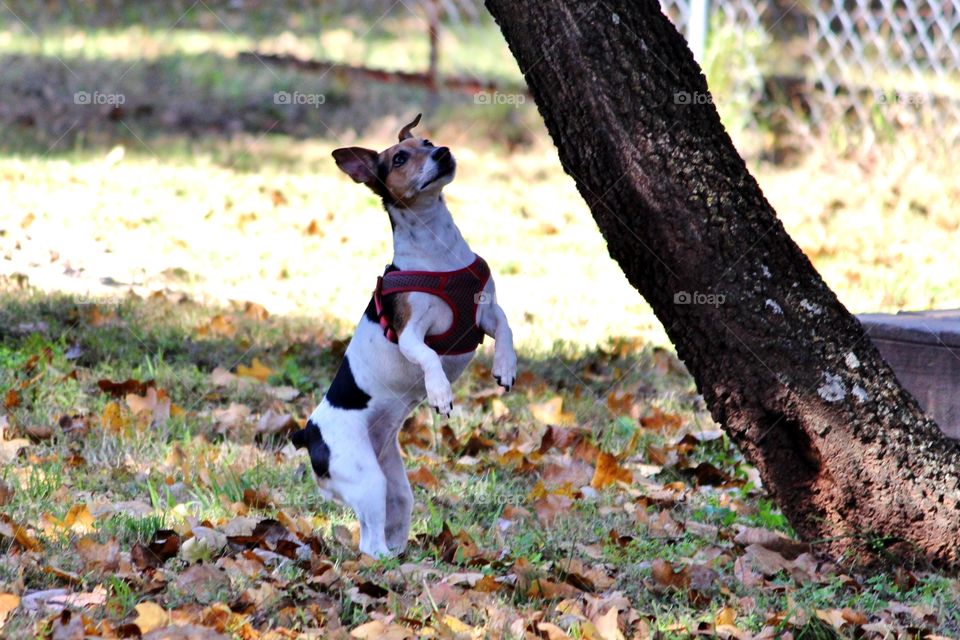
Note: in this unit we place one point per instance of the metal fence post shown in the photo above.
(697, 26)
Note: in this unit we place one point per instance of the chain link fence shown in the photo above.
(783, 66)
(822, 65)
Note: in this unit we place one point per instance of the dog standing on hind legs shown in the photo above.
(429, 312)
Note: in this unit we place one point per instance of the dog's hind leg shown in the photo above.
(355, 476)
(399, 497)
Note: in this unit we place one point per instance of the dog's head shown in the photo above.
(410, 172)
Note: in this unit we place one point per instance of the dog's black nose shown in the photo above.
(440, 154)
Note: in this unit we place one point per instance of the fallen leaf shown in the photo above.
(12, 399)
(78, 519)
(271, 422)
(608, 626)
(155, 403)
(551, 412)
(218, 325)
(609, 472)
(257, 370)
(203, 582)
(67, 626)
(97, 557)
(150, 616)
(725, 617)
(112, 419)
(164, 545)
(666, 576)
(122, 389)
(17, 533)
(6, 493)
(422, 477)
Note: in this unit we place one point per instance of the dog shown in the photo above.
(429, 311)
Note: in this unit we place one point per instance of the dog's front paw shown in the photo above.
(505, 369)
(440, 395)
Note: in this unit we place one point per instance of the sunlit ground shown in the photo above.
(290, 232)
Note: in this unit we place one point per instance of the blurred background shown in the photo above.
(184, 147)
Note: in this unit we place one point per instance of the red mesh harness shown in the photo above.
(460, 289)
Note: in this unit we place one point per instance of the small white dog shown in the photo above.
(429, 312)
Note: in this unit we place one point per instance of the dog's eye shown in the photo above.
(427, 143)
(400, 158)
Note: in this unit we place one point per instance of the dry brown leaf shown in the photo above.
(257, 370)
(112, 419)
(551, 412)
(10, 449)
(766, 561)
(551, 506)
(12, 399)
(101, 558)
(725, 617)
(663, 526)
(423, 477)
(666, 576)
(254, 311)
(608, 626)
(67, 626)
(218, 325)
(17, 533)
(552, 631)
(204, 582)
(78, 519)
(156, 403)
(660, 421)
(609, 472)
(150, 616)
(6, 493)
(377, 630)
(271, 422)
(8, 602)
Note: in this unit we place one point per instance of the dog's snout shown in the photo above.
(440, 154)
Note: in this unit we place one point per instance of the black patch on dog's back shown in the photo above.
(311, 438)
(344, 392)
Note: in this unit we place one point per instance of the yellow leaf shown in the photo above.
(8, 602)
(725, 617)
(608, 626)
(219, 325)
(551, 413)
(150, 616)
(256, 370)
(608, 472)
(78, 519)
(112, 419)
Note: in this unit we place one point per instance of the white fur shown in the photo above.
(366, 469)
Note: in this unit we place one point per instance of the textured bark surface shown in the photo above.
(789, 373)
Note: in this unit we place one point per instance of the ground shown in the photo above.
(178, 284)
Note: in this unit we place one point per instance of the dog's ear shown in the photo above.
(357, 162)
(299, 438)
(405, 132)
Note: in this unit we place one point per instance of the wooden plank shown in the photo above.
(923, 348)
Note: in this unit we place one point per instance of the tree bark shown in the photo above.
(788, 372)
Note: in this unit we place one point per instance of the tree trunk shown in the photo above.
(790, 374)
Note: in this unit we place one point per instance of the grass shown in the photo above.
(205, 226)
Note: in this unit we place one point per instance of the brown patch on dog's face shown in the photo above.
(409, 166)
(410, 170)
